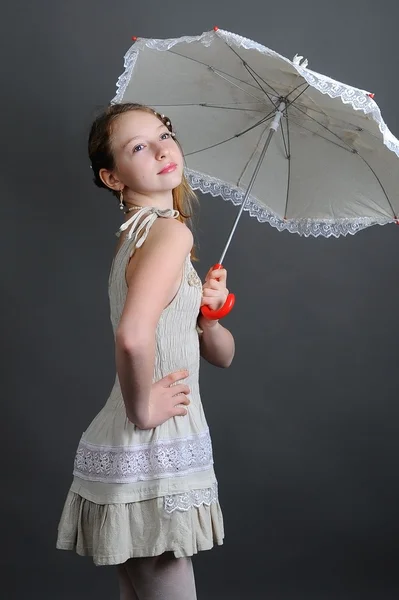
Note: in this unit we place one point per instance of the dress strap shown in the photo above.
(139, 228)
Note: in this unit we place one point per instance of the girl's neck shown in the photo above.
(144, 201)
(132, 205)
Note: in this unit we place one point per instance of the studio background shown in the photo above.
(304, 423)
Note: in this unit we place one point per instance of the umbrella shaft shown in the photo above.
(272, 131)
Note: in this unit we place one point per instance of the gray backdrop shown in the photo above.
(305, 421)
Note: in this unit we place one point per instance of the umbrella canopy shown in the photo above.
(330, 169)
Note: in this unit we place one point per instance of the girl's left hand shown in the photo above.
(214, 291)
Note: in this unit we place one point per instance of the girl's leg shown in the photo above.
(126, 590)
(162, 577)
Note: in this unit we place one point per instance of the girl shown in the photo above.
(144, 494)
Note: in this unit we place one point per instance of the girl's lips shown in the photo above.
(168, 169)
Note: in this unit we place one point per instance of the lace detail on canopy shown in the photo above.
(156, 460)
(191, 499)
(357, 98)
(305, 227)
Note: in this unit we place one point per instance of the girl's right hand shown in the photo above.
(165, 399)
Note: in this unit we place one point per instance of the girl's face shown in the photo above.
(148, 160)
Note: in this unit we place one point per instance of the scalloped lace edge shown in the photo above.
(306, 227)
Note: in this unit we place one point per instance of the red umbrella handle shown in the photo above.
(214, 315)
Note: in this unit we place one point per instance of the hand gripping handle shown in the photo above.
(214, 315)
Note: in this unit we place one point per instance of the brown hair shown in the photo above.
(101, 156)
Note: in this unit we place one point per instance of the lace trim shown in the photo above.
(128, 464)
(305, 227)
(191, 499)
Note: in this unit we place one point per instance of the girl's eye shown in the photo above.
(164, 136)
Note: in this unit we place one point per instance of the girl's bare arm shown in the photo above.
(153, 278)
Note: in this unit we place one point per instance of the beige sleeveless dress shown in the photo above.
(136, 492)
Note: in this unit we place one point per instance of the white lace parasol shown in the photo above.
(330, 169)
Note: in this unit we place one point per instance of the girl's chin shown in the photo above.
(172, 180)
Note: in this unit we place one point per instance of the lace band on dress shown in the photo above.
(155, 460)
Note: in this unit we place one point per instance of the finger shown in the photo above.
(182, 400)
(210, 293)
(179, 411)
(212, 302)
(180, 389)
(220, 274)
(215, 285)
(216, 274)
(176, 376)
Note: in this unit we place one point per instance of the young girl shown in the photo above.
(144, 494)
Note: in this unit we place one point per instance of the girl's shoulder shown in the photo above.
(161, 226)
(167, 238)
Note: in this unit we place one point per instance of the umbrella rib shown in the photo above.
(349, 149)
(288, 136)
(284, 142)
(237, 86)
(379, 182)
(299, 95)
(237, 135)
(249, 69)
(347, 124)
(322, 112)
(323, 126)
(206, 105)
(289, 163)
(219, 72)
(297, 87)
(246, 65)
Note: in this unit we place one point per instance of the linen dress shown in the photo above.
(135, 492)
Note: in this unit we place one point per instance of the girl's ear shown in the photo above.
(110, 180)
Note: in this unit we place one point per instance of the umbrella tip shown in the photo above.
(216, 28)
(134, 38)
(371, 96)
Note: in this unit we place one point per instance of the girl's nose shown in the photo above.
(161, 153)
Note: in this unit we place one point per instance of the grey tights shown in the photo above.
(157, 578)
